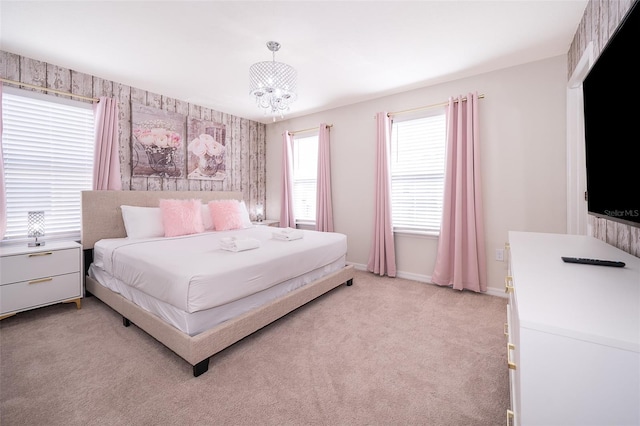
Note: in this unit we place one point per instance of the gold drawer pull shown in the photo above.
(508, 284)
(510, 347)
(44, 253)
(41, 280)
(506, 329)
(510, 417)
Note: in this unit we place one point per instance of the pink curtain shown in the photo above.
(106, 163)
(382, 256)
(3, 195)
(324, 208)
(461, 257)
(286, 205)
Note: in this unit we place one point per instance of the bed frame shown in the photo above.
(102, 218)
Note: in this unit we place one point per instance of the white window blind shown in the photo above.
(48, 149)
(305, 175)
(417, 173)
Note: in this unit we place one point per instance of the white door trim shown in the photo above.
(576, 166)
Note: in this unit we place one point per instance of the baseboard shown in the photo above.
(492, 291)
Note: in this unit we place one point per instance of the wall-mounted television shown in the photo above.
(612, 125)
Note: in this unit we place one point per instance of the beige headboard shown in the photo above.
(102, 216)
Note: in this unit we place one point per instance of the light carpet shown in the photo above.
(385, 351)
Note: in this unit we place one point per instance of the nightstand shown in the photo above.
(39, 276)
(267, 222)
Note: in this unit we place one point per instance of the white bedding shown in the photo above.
(197, 322)
(193, 274)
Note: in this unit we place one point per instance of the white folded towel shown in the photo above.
(288, 234)
(238, 244)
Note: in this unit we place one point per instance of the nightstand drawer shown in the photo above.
(45, 263)
(36, 292)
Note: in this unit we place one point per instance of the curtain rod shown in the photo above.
(389, 114)
(309, 129)
(59, 92)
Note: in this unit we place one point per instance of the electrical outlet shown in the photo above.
(500, 255)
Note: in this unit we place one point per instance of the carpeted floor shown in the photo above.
(381, 352)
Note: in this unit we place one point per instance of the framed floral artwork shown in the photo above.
(206, 149)
(157, 143)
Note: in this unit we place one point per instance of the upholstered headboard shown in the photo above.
(102, 216)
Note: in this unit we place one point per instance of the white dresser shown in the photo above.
(32, 277)
(573, 333)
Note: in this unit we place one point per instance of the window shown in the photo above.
(417, 172)
(305, 175)
(48, 145)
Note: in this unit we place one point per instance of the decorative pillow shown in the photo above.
(225, 214)
(181, 217)
(206, 218)
(142, 222)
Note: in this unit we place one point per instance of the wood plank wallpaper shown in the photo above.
(245, 139)
(600, 19)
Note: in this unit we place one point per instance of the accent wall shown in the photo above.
(245, 139)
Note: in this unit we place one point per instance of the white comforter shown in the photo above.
(192, 273)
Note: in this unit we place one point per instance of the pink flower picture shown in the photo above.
(157, 142)
(206, 150)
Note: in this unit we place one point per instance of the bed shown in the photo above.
(191, 296)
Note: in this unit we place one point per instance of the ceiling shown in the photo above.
(344, 51)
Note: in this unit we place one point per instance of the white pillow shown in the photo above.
(244, 215)
(206, 218)
(142, 222)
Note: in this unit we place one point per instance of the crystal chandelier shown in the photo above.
(273, 84)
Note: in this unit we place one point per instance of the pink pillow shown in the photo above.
(225, 214)
(181, 217)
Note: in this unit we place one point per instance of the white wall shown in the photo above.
(523, 155)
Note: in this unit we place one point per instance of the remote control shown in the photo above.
(598, 262)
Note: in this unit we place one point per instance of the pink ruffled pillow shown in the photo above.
(181, 217)
(225, 214)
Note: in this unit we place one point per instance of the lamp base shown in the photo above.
(36, 244)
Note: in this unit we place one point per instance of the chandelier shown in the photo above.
(273, 84)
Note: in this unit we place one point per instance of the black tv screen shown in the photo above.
(612, 125)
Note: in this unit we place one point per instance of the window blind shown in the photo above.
(417, 173)
(48, 145)
(305, 175)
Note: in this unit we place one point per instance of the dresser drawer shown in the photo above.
(512, 366)
(42, 264)
(44, 291)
